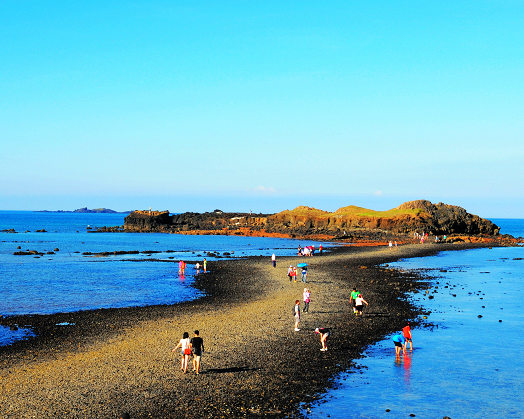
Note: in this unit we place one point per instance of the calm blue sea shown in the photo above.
(469, 366)
(69, 281)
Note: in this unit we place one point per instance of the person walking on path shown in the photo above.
(406, 331)
(305, 296)
(296, 312)
(274, 260)
(295, 273)
(353, 299)
(359, 304)
(324, 334)
(185, 346)
(197, 344)
(303, 277)
(400, 343)
(290, 273)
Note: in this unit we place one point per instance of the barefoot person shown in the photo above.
(324, 334)
(406, 331)
(400, 343)
(185, 346)
(296, 311)
(197, 345)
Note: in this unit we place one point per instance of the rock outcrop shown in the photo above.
(415, 216)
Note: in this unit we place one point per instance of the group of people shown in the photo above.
(292, 273)
(308, 250)
(190, 347)
(306, 297)
(401, 340)
(198, 266)
(356, 299)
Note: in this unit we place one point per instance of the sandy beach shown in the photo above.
(105, 362)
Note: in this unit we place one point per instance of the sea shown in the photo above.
(466, 361)
(467, 358)
(67, 276)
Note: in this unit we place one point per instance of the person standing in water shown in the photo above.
(406, 331)
(400, 343)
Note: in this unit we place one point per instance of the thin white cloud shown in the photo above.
(262, 190)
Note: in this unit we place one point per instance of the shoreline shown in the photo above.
(254, 364)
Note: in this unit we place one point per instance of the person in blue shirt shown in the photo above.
(400, 343)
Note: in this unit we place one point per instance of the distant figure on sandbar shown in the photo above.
(197, 346)
(185, 346)
(306, 297)
(296, 312)
(353, 299)
(274, 260)
(304, 274)
(324, 334)
(359, 304)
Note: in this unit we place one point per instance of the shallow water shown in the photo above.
(67, 280)
(465, 367)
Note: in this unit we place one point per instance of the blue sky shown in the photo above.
(262, 106)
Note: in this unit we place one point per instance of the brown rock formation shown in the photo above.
(415, 216)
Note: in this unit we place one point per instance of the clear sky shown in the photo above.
(261, 105)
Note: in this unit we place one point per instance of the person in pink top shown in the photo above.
(305, 296)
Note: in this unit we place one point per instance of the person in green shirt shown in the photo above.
(353, 296)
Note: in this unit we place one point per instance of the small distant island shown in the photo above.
(86, 210)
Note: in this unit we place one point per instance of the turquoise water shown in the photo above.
(68, 280)
(466, 366)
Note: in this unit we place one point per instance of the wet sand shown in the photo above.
(106, 362)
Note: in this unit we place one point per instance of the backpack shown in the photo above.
(294, 313)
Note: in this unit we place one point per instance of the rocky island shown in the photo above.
(86, 210)
(346, 224)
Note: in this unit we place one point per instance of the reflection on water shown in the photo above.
(468, 367)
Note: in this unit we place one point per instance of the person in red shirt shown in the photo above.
(406, 331)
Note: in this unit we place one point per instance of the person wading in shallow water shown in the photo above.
(406, 331)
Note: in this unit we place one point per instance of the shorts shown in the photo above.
(397, 343)
(197, 355)
(359, 308)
